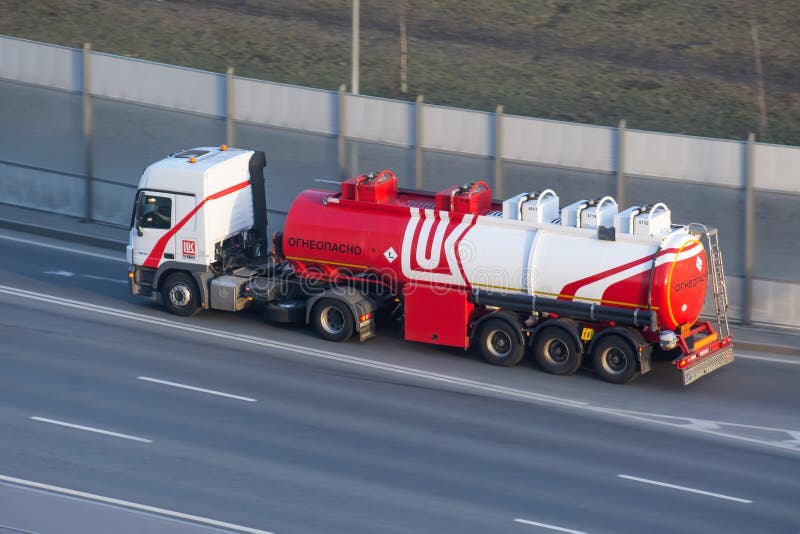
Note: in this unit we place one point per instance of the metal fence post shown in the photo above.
(355, 64)
(87, 128)
(621, 164)
(229, 124)
(749, 229)
(342, 140)
(498, 152)
(419, 109)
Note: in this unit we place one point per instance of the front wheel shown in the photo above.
(332, 320)
(615, 360)
(180, 294)
(499, 343)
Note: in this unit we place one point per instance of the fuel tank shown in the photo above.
(461, 238)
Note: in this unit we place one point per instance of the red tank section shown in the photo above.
(360, 229)
(339, 242)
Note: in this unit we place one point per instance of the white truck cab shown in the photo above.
(188, 207)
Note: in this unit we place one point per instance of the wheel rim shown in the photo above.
(556, 351)
(332, 320)
(180, 295)
(499, 343)
(614, 361)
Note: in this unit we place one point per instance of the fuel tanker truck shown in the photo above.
(578, 285)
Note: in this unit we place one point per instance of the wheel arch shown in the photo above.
(570, 326)
(201, 277)
(358, 304)
(635, 339)
(502, 315)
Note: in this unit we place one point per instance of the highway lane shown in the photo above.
(751, 392)
(337, 447)
(327, 448)
(66, 514)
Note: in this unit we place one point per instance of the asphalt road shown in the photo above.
(286, 433)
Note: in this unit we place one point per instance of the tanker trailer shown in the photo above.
(585, 284)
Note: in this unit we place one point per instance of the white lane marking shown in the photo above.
(68, 274)
(60, 273)
(702, 426)
(701, 423)
(93, 277)
(193, 388)
(289, 347)
(786, 359)
(650, 418)
(551, 527)
(91, 429)
(684, 488)
(64, 249)
(129, 504)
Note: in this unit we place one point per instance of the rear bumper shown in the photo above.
(706, 361)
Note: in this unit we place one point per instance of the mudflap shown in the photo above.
(366, 329)
(708, 364)
(362, 307)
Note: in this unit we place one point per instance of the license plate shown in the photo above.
(709, 365)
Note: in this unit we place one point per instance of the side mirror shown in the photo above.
(138, 217)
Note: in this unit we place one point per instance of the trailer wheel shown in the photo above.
(615, 360)
(556, 351)
(499, 343)
(332, 320)
(180, 294)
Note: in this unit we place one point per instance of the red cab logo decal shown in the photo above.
(188, 246)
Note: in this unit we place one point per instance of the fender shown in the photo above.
(504, 316)
(358, 303)
(201, 274)
(642, 348)
(570, 326)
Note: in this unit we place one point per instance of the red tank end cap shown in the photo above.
(682, 291)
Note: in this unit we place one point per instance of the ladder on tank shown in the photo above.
(717, 272)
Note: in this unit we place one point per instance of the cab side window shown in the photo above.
(156, 212)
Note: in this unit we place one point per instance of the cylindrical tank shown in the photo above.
(409, 240)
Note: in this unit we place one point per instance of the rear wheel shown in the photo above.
(332, 320)
(180, 294)
(556, 351)
(615, 360)
(499, 343)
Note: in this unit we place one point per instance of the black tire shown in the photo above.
(332, 320)
(556, 351)
(499, 343)
(615, 360)
(180, 294)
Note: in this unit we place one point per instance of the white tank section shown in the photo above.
(570, 263)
